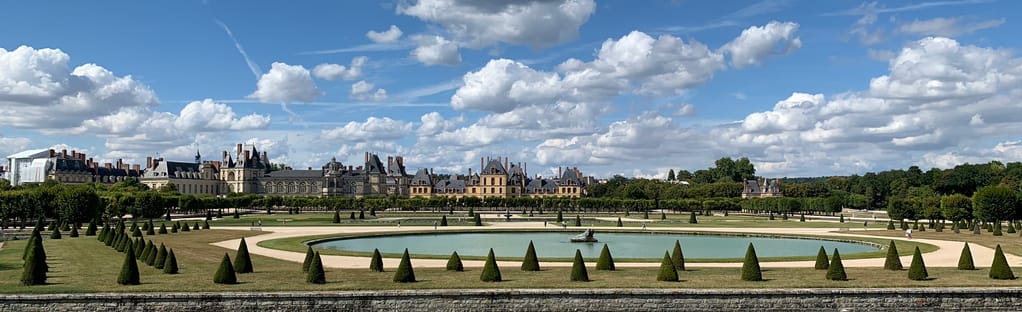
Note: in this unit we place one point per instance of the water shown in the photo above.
(622, 245)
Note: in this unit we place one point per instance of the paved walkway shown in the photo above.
(945, 256)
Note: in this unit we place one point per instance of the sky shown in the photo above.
(801, 88)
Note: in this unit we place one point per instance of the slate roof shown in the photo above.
(494, 167)
(292, 174)
(169, 169)
(422, 178)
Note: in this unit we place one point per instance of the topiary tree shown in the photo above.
(965, 260)
(471, 212)
(578, 220)
(999, 269)
(667, 271)
(137, 232)
(663, 216)
(196, 227)
(837, 269)
(842, 218)
(175, 227)
(170, 265)
(309, 254)
(443, 220)
(405, 273)
(578, 268)
(645, 214)
(150, 229)
(362, 214)
(146, 251)
(530, 263)
(822, 263)
(376, 263)
(1011, 229)
(139, 246)
(997, 228)
(692, 217)
(802, 217)
(917, 270)
(890, 224)
(91, 230)
(893, 262)
(351, 216)
(243, 262)
(163, 229)
(560, 216)
(619, 224)
(677, 257)
(161, 257)
(185, 227)
(606, 261)
(205, 225)
(491, 272)
(55, 234)
(337, 216)
(35, 267)
(151, 257)
(129, 270)
(74, 232)
(750, 267)
(225, 274)
(316, 274)
(478, 221)
(454, 263)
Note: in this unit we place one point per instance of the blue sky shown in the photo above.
(803, 88)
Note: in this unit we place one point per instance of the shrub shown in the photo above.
(692, 218)
(530, 263)
(309, 254)
(837, 269)
(802, 217)
(645, 214)
(578, 220)
(174, 228)
(236, 214)
(917, 270)
(890, 224)
(196, 227)
(151, 257)
(91, 230)
(34, 270)
(361, 214)
(163, 229)
(578, 268)
(560, 216)
(337, 216)
(667, 271)
(892, 262)
(315, 274)
(205, 225)
(454, 263)
(129, 270)
(606, 261)
(404, 273)
(376, 263)
(65, 227)
(478, 220)
(965, 260)
(443, 220)
(663, 216)
(677, 257)
(185, 227)
(161, 257)
(822, 263)
(170, 265)
(122, 241)
(139, 246)
(101, 236)
(74, 232)
(225, 274)
(999, 269)
(750, 267)
(53, 226)
(471, 212)
(491, 272)
(144, 257)
(137, 232)
(841, 219)
(243, 262)
(150, 229)
(1011, 228)
(997, 229)
(619, 224)
(372, 211)
(55, 234)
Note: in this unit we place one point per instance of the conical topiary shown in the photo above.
(802, 217)
(243, 262)
(175, 227)
(185, 227)
(196, 227)
(491, 272)
(316, 274)
(136, 233)
(205, 225)
(376, 263)
(150, 229)
(129, 270)
(163, 229)
(837, 269)
(822, 263)
(351, 216)
(750, 267)
(161, 257)
(454, 263)
(619, 224)
(997, 229)
(101, 235)
(443, 220)
(965, 260)
(225, 274)
(74, 232)
(692, 217)
(578, 268)
(150, 258)
(337, 216)
(404, 272)
(530, 263)
(890, 224)
(55, 234)
(1010, 229)
(91, 230)
(560, 217)
(139, 247)
(35, 267)
(667, 271)
(677, 257)
(841, 219)
(893, 262)
(146, 250)
(917, 270)
(309, 254)
(170, 265)
(606, 261)
(578, 220)
(999, 269)
(478, 221)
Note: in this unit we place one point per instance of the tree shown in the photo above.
(917, 270)
(994, 203)
(74, 232)
(404, 273)
(151, 257)
(956, 207)
(491, 272)
(560, 216)
(999, 269)
(163, 229)
(670, 175)
(530, 263)
(692, 218)
(337, 216)
(478, 220)
(55, 234)
(129, 270)
(606, 261)
(148, 249)
(225, 274)
(892, 262)
(139, 247)
(35, 267)
(822, 263)
(578, 268)
(161, 257)
(376, 263)
(619, 224)
(454, 263)
(836, 272)
(677, 257)
(578, 220)
(443, 220)
(750, 267)
(170, 265)
(309, 254)
(965, 260)
(243, 262)
(316, 274)
(667, 271)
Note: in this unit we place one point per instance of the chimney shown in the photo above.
(108, 165)
(239, 150)
(505, 162)
(480, 166)
(149, 162)
(247, 154)
(52, 153)
(265, 159)
(120, 164)
(74, 154)
(63, 153)
(225, 156)
(558, 172)
(136, 167)
(400, 161)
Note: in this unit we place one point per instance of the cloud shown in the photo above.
(862, 27)
(207, 115)
(363, 90)
(373, 129)
(329, 71)
(252, 66)
(433, 123)
(757, 43)
(9, 146)
(535, 23)
(947, 27)
(286, 84)
(435, 50)
(388, 36)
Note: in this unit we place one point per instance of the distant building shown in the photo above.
(37, 166)
(762, 188)
(502, 180)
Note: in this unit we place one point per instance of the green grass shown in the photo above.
(326, 219)
(1010, 243)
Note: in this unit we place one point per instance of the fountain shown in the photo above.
(585, 237)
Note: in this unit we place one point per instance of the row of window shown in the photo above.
(563, 190)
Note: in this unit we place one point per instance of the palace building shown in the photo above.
(496, 179)
(37, 166)
(762, 188)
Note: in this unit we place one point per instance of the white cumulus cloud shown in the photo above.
(757, 43)
(373, 129)
(435, 50)
(330, 71)
(390, 35)
(286, 84)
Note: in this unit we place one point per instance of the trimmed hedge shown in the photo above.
(822, 263)
(316, 274)
(491, 272)
(893, 262)
(965, 260)
(692, 218)
(161, 257)
(578, 268)
(376, 263)
(677, 257)
(917, 270)
(667, 271)
(606, 261)
(750, 267)
(170, 265)
(243, 262)
(454, 263)
(404, 273)
(309, 255)
(225, 274)
(35, 267)
(530, 263)
(837, 269)
(129, 270)
(999, 269)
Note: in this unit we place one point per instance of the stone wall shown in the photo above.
(906, 299)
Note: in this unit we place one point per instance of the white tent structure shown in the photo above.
(27, 166)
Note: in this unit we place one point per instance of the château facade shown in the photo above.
(496, 179)
(762, 188)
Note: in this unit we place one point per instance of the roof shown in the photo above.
(295, 174)
(570, 177)
(494, 167)
(35, 153)
(170, 169)
(422, 178)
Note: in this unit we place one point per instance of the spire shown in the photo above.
(198, 157)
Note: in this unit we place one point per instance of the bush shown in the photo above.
(454, 263)
(560, 216)
(129, 270)
(677, 257)
(822, 263)
(372, 211)
(965, 261)
(161, 257)
(361, 215)
(692, 218)
(74, 232)
(205, 225)
(491, 272)
(170, 265)
(802, 217)
(842, 219)
(225, 274)
(606, 261)
(890, 224)
(139, 246)
(55, 234)
(471, 212)
(578, 220)
(837, 269)
(667, 271)
(645, 214)
(1011, 229)
(243, 262)
(376, 263)
(163, 229)
(316, 274)
(750, 267)
(1000, 269)
(893, 262)
(663, 216)
(917, 270)
(351, 216)
(196, 227)
(404, 273)
(175, 227)
(185, 227)
(578, 268)
(997, 229)
(137, 232)
(443, 220)
(146, 251)
(150, 229)
(151, 257)
(337, 216)
(104, 233)
(91, 230)
(35, 267)
(309, 254)
(619, 224)
(530, 263)
(478, 221)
